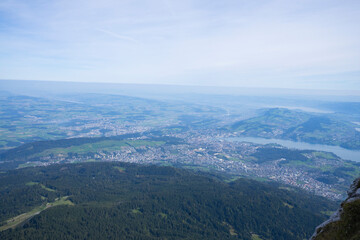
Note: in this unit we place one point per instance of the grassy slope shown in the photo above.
(15, 221)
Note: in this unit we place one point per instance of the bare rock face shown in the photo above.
(354, 191)
(344, 224)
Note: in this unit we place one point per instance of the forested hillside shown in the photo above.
(127, 201)
(282, 123)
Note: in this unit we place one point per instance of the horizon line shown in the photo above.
(187, 85)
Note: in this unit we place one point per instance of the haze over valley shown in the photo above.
(176, 120)
(179, 130)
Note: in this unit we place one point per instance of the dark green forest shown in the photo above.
(128, 201)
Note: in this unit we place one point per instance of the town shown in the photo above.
(212, 152)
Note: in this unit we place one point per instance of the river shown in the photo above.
(346, 154)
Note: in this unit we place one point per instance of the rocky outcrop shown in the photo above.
(345, 222)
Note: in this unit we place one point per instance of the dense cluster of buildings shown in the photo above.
(212, 153)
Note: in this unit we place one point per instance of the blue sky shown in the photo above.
(311, 44)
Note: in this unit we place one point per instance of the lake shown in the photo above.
(347, 154)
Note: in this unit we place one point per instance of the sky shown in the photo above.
(307, 44)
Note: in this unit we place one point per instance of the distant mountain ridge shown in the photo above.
(293, 125)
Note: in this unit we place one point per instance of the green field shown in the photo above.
(107, 145)
(41, 185)
(255, 237)
(15, 221)
(121, 169)
(26, 119)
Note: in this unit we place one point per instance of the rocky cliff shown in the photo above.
(344, 224)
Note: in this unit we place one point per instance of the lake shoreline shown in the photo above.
(346, 154)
